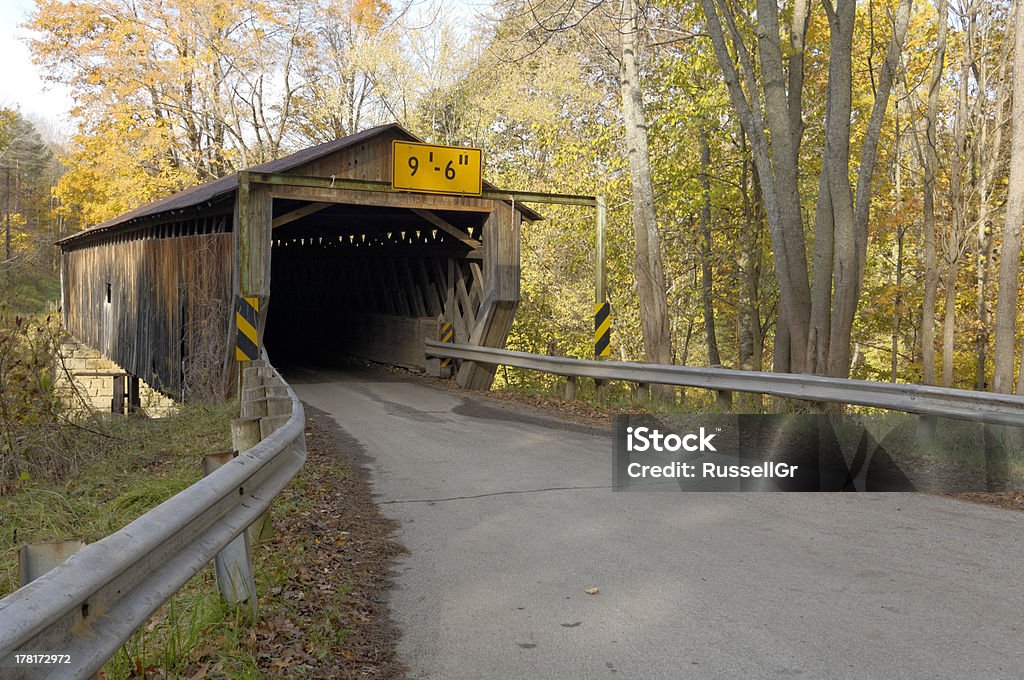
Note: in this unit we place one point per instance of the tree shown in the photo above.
(1009, 265)
(648, 267)
(173, 92)
(815, 329)
(779, 119)
(930, 163)
(25, 160)
(349, 47)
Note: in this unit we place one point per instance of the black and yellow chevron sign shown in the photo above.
(447, 335)
(247, 314)
(602, 329)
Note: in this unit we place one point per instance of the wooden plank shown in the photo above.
(416, 294)
(430, 288)
(468, 308)
(478, 281)
(447, 228)
(383, 199)
(394, 287)
(298, 213)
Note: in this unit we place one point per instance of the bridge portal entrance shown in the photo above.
(371, 281)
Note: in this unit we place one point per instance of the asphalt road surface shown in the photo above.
(508, 518)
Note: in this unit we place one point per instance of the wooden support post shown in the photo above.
(599, 255)
(251, 241)
(134, 400)
(245, 433)
(926, 426)
(117, 402)
(233, 564)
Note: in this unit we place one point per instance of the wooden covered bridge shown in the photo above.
(359, 268)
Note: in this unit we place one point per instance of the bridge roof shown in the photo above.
(209, 192)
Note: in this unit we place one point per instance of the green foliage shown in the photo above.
(28, 224)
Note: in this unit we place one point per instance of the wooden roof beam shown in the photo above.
(298, 213)
(447, 228)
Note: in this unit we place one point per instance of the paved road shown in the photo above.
(508, 518)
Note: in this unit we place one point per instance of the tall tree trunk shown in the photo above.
(821, 288)
(7, 218)
(647, 264)
(931, 268)
(897, 303)
(961, 166)
(897, 311)
(750, 342)
(949, 313)
(775, 161)
(992, 123)
(852, 238)
(782, 113)
(1009, 264)
(838, 202)
(707, 287)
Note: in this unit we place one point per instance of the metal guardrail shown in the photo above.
(87, 607)
(989, 407)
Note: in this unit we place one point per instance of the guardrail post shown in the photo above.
(36, 559)
(233, 564)
(643, 391)
(723, 398)
(245, 434)
(999, 439)
(570, 388)
(926, 429)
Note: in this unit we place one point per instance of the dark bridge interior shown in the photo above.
(365, 281)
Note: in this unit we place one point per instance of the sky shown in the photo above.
(20, 83)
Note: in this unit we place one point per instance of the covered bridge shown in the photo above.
(358, 268)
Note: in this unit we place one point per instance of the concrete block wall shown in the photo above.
(97, 392)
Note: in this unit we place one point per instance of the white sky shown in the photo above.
(20, 82)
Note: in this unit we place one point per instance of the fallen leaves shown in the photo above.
(327, 617)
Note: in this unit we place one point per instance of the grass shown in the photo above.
(139, 463)
(618, 395)
(305, 614)
(143, 462)
(31, 295)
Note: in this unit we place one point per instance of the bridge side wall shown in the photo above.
(156, 303)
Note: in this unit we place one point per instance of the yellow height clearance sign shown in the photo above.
(437, 169)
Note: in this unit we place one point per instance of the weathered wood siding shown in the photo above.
(168, 308)
(370, 159)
